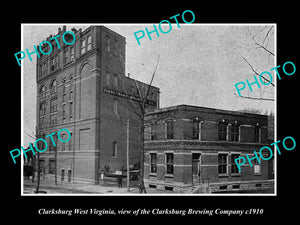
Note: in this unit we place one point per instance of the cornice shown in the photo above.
(202, 144)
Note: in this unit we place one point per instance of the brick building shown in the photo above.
(83, 87)
(190, 146)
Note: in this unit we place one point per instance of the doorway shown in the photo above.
(196, 160)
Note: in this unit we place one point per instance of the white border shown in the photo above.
(140, 24)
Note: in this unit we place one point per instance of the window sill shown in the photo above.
(169, 176)
(223, 175)
(152, 175)
(235, 174)
(257, 174)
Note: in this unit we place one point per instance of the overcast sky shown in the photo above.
(199, 64)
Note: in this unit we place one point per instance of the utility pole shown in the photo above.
(128, 179)
(55, 156)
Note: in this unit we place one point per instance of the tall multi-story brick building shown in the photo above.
(83, 87)
(189, 146)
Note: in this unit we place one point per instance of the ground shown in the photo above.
(47, 186)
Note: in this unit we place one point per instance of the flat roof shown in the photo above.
(203, 109)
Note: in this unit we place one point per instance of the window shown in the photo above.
(42, 165)
(116, 108)
(257, 166)
(196, 163)
(66, 58)
(42, 122)
(64, 98)
(71, 81)
(169, 163)
(196, 130)
(43, 91)
(169, 188)
(63, 137)
(153, 162)
(89, 43)
(64, 111)
(82, 47)
(170, 129)
(64, 85)
(69, 142)
(114, 149)
(234, 168)
(107, 43)
(53, 105)
(53, 86)
(42, 108)
(54, 63)
(256, 133)
(153, 135)
(107, 77)
(70, 95)
(53, 119)
(234, 132)
(44, 69)
(72, 53)
(235, 186)
(52, 166)
(70, 109)
(115, 81)
(222, 167)
(222, 131)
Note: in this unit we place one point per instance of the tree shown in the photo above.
(34, 137)
(261, 40)
(39, 169)
(139, 107)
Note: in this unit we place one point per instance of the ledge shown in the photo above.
(201, 143)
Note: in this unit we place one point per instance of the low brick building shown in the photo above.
(189, 146)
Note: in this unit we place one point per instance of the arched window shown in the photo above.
(53, 86)
(43, 91)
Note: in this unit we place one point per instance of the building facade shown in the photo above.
(188, 147)
(83, 87)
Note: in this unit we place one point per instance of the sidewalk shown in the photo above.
(64, 187)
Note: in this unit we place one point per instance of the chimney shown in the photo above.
(128, 75)
(59, 30)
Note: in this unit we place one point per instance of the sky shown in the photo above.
(199, 64)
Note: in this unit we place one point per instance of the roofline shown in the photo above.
(213, 110)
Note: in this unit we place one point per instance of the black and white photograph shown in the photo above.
(161, 116)
(145, 114)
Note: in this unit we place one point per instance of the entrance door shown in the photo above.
(196, 168)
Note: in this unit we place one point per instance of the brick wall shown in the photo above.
(208, 146)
